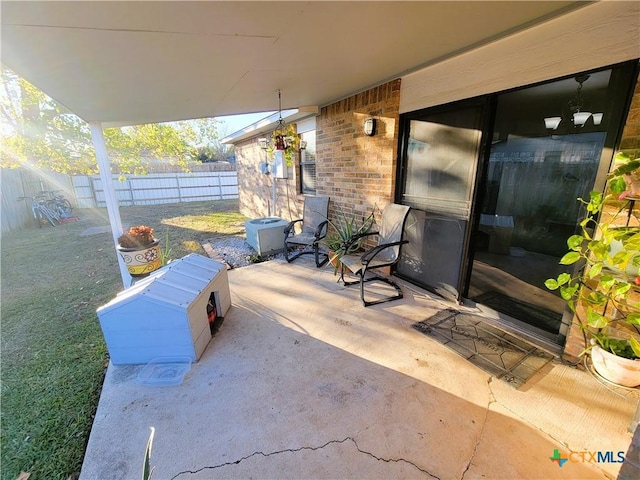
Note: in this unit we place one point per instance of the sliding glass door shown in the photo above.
(494, 185)
(549, 143)
(441, 157)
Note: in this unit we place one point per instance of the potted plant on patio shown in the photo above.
(140, 250)
(604, 294)
(342, 229)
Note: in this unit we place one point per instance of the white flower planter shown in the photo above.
(141, 261)
(616, 369)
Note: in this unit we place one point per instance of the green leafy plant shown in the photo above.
(165, 250)
(137, 237)
(255, 258)
(605, 285)
(625, 172)
(286, 139)
(342, 230)
(204, 154)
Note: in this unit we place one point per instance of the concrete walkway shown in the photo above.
(302, 381)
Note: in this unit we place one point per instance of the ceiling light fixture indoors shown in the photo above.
(576, 104)
(552, 122)
(576, 115)
(597, 118)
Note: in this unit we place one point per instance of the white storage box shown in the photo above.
(166, 314)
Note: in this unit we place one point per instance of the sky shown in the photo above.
(233, 123)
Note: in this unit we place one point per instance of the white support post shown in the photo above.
(109, 194)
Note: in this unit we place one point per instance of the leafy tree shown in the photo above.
(206, 134)
(39, 132)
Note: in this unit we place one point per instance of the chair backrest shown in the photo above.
(316, 211)
(391, 230)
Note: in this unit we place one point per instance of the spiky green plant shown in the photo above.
(342, 230)
(147, 469)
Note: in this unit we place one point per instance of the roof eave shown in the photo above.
(269, 123)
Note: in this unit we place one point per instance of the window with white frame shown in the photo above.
(308, 163)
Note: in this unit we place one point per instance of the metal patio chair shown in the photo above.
(314, 228)
(385, 254)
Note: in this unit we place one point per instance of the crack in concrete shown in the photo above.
(492, 400)
(294, 450)
(527, 421)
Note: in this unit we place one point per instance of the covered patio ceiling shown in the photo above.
(124, 63)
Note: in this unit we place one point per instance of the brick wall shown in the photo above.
(576, 341)
(630, 142)
(356, 171)
(254, 188)
(631, 132)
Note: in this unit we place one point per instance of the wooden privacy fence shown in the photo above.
(154, 189)
(20, 182)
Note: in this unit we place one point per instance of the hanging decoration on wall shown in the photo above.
(284, 138)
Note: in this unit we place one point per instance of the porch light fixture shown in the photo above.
(370, 127)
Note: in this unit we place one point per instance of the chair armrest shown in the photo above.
(370, 254)
(321, 231)
(288, 228)
(355, 238)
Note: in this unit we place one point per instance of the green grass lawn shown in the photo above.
(53, 356)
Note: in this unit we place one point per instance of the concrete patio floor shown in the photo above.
(302, 381)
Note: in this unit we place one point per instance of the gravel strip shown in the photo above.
(236, 252)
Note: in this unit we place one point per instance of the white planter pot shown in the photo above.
(632, 180)
(616, 369)
(141, 261)
(615, 247)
